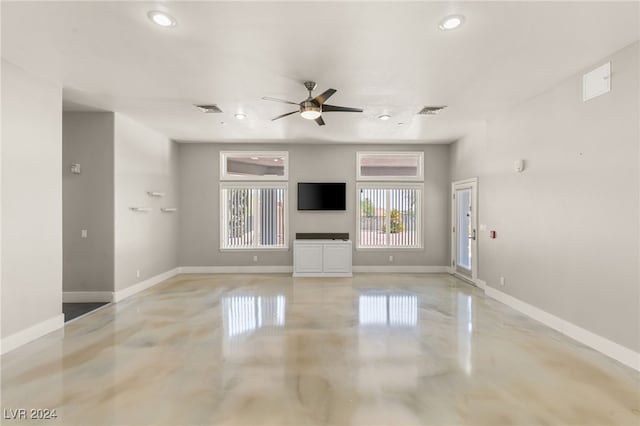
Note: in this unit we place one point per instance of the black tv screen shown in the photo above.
(322, 196)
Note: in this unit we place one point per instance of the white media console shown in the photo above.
(322, 258)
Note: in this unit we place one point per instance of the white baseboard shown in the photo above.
(29, 334)
(87, 296)
(236, 269)
(614, 350)
(143, 285)
(481, 284)
(399, 269)
(322, 275)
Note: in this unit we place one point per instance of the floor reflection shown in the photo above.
(246, 313)
(243, 315)
(367, 351)
(388, 346)
(465, 331)
(375, 308)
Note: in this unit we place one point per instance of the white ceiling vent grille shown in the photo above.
(209, 109)
(431, 110)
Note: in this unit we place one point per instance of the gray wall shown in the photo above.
(199, 203)
(144, 161)
(31, 200)
(568, 225)
(87, 200)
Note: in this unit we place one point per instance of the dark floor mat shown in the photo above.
(74, 310)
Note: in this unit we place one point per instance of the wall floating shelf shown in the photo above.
(141, 209)
(155, 194)
(169, 209)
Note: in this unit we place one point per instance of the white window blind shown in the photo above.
(389, 216)
(253, 216)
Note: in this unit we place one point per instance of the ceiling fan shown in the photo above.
(312, 108)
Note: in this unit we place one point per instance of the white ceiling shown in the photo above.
(384, 57)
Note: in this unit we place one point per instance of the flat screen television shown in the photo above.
(322, 196)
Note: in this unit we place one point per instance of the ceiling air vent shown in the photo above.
(431, 110)
(209, 109)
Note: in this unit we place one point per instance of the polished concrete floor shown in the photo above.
(271, 350)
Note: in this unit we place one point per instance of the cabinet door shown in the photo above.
(308, 258)
(337, 258)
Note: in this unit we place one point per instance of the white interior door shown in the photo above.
(464, 228)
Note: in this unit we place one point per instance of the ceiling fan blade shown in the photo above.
(267, 98)
(322, 97)
(333, 108)
(320, 121)
(283, 115)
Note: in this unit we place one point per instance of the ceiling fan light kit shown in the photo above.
(312, 108)
(309, 110)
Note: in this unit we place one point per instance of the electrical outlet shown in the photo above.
(390, 258)
(83, 233)
(255, 258)
(137, 273)
(501, 280)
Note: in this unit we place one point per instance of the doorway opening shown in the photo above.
(464, 225)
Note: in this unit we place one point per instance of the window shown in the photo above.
(389, 215)
(253, 215)
(390, 166)
(255, 166)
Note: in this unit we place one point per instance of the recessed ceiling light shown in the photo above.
(451, 22)
(162, 19)
(384, 117)
(240, 116)
(276, 159)
(254, 158)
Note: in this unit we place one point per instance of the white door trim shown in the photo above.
(471, 183)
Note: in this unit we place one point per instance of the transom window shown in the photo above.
(253, 216)
(390, 166)
(249, 165)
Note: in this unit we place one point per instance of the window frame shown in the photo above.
(224, 176)
(419, 218)
(418, 178)
(253, 186)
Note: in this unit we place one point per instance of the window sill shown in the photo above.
(254, 249)
(389, 248)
